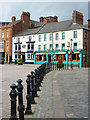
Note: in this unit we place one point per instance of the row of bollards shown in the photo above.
(33, 81)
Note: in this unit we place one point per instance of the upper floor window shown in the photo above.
(75, 46)
(50, 46)
(7, 46)
(74, 34)
(7, 34)
(57, 46)
(16, 56)
(39, 47)
(39, 38)
(32, 46)
(50, 36)
(63, 35)
(85, 46)
(56, 36)
(28, 46)
(45, 47)
(15, 47)
(45, 37)
(19, 47)
(63, 46)
(85, 35)
(2, 45)
(32, 55)
(2, 34)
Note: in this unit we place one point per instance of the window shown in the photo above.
(39, 38)
(56, 36)
(15, 47)
(16, 56)
(40, 57)
(7, 46)
(57, 46)
(75, 46)
(32, 55)
(73, 56)
(75, 34)
(50, 36)
(19, 47)
(7, 34)
(45, 37)
(63, 35)
(2, 45)
(18, 40)
(85, 35)
(63, 46)
(28, 56)
(45, 47)
(30, 38)
(2, 34)
(32, 46)
(85, 57)
(28, 46)
(85, 46)
(39, 47)
(50, 46)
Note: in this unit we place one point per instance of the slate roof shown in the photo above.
(15, 22)
(53, 27)
(36, 23)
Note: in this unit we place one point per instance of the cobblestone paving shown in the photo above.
(73, 87)
(10, 74)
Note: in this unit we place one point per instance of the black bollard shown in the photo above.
(53, 66)
(33, 87)
(13, 95)
(57, 66)
(38, 89)
(36, 85)
(21, 107)
(28, 96)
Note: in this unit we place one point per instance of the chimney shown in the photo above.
(41, 19)
(56, 18)
(13, 18)
(25, 16)
(88, 23)
(77, 17)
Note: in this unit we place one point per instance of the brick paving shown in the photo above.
(63, 93)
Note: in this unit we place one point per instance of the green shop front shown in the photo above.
(68, 58)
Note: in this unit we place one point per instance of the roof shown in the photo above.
(15, 22)
(53, 27)
(27, 32)
(36, 23)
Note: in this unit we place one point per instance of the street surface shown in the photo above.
(64, 94)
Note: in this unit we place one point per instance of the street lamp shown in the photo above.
(71, 40)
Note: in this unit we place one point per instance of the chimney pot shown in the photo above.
(13, 18)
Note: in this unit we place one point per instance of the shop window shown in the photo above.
(40, 57)
(15, 56)
(63, 35)
(73, 56)
(74, 34)
(56, 36)
(44, 57)
(50, 36)
(28, 56)
(32, 55)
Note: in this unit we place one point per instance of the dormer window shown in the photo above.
(30, 38)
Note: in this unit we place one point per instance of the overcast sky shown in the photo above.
(37, 9)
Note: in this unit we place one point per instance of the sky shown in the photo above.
(63, 10)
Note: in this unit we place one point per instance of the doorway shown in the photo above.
(23, 58)
(49, 58)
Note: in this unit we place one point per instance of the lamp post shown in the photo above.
(71, 40)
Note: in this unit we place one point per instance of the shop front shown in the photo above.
(75, 58)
